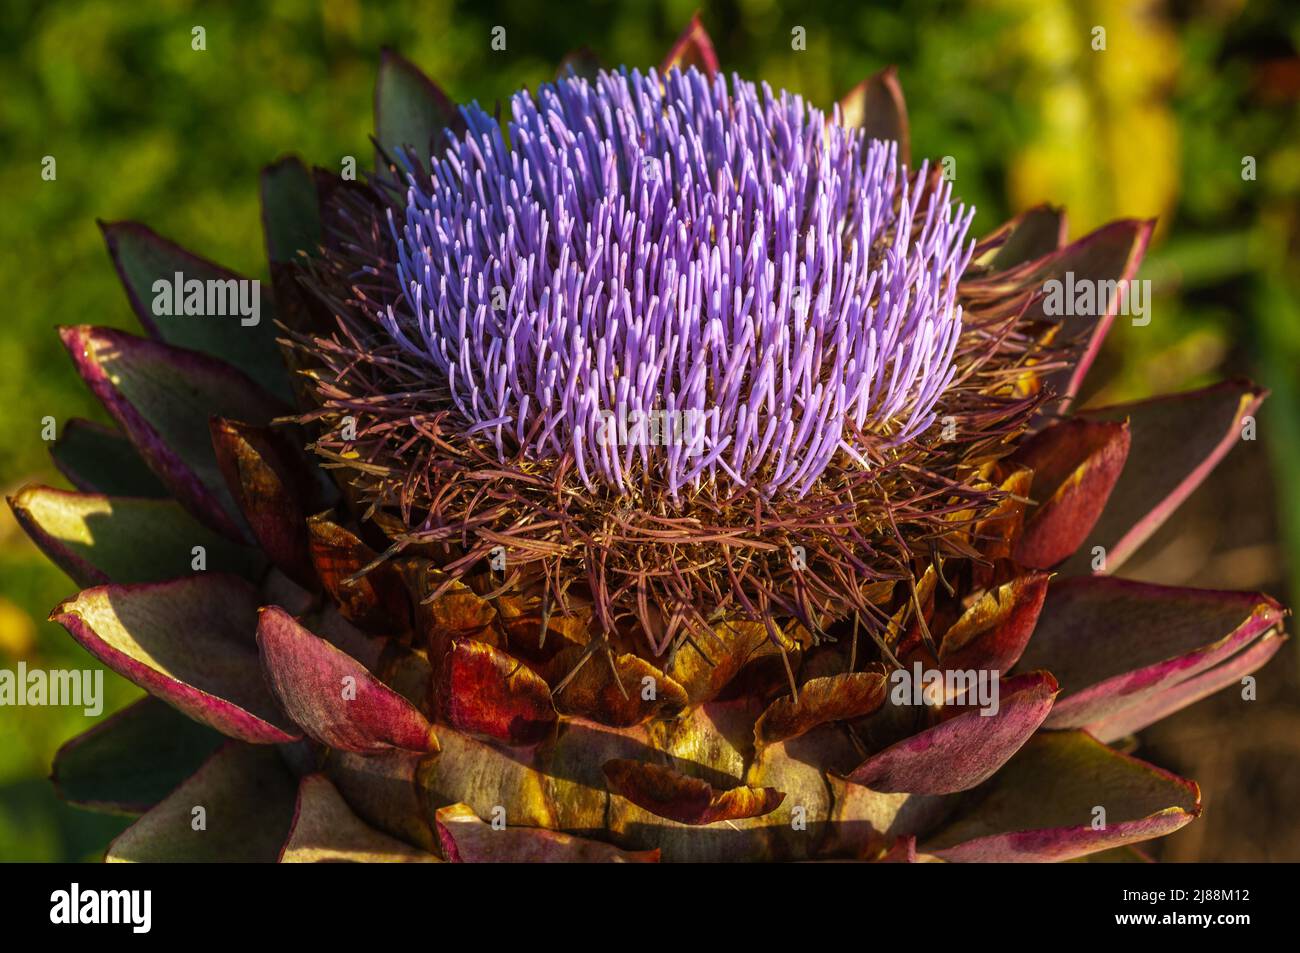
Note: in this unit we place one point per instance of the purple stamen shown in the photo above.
(680, 246)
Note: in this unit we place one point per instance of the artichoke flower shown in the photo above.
(662, 473)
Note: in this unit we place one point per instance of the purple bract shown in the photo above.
(676, 281)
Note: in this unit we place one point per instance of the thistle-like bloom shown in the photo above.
(747, 645)
(655, 312)
(676, 246)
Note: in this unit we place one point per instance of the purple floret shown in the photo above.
(758, 287)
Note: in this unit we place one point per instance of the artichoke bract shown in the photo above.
(663, 473)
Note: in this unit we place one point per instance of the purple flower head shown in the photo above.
(723, 261)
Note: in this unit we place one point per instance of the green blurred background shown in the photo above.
(1158, 124)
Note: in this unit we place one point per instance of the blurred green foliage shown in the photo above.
(144, 127)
